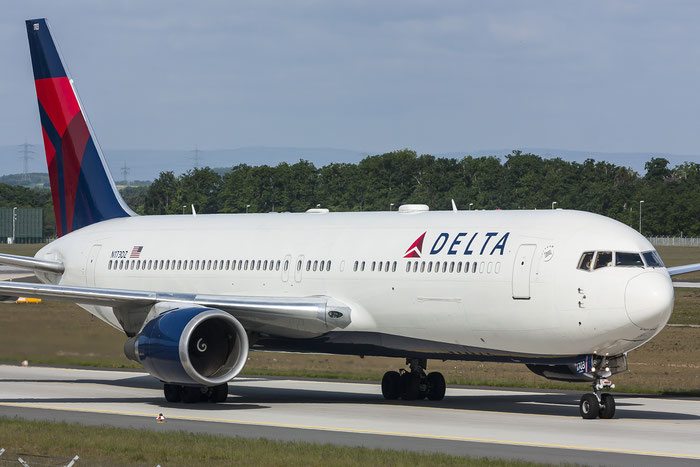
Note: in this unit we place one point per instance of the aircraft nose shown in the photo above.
(649, 299)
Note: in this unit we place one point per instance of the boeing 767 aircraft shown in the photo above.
(567, 293)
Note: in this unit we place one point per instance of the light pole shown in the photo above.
(246, 208)
(318, 205)
(391, 206)
(14, 221)
(553, 203)
(640, 215)
(183, 209)
(470, 206)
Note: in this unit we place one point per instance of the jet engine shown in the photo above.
(191, 346)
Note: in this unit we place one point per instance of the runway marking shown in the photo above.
(652, 422)
(357, 430)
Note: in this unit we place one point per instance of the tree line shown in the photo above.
(520, 181)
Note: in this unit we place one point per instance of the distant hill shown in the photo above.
(146, 164)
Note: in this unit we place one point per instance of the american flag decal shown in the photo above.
(136, 252)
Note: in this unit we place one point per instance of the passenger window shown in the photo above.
(415, 266)
(315, 265)
(362, 266)
(422, 266)
(386, 266)
(308, 265)
(408, 266)
(265, 266)
(328, 265)
(299, 265)
(150, 263)
(459, 266)
(452, 266)
(444, 266)
(652, 259)
(257, 266)
(228, 264)
(603, 259)
(628, 259)
(354, 267)
(393, 267)
(474, 267)
(322, 266)
(437, 266)
(586, 260)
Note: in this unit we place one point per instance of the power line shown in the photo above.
(25, 151)
(125, 173)
(197, 156)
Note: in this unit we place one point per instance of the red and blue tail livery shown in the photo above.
(82, 188)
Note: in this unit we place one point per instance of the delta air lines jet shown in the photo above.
(567, 293)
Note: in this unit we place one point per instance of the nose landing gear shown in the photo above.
(598, 404)
(413, 384)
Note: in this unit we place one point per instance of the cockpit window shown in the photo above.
(652, 259)
(628, 259)
(586, 261)
(603, 259)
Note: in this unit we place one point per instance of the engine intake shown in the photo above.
(193, 345)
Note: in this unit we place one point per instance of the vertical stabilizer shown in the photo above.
(82, 188)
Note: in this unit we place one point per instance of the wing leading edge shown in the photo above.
(282, 316)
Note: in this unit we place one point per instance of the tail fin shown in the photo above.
(82, 188)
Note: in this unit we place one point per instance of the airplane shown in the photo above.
(566, 293)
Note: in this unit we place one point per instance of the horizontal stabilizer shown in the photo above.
(27, 262)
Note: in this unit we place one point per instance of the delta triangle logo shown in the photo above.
(416, 248)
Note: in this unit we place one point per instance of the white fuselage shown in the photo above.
(524, 296)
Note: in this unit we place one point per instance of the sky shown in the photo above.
(434, 76)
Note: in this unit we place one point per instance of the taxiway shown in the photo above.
(524, 424)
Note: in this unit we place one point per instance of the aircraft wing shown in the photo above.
(283, 316)
(675, 270)
(683, 269)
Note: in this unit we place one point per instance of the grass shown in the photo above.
(118, 446)
(63, 334)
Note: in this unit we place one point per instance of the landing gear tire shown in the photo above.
(391, 385)
(173, 392)
(191, 394)
(410, 386)
(589, 408)
(607, 406)
(218, 393)
(436, 386)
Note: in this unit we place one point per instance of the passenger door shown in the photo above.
(521, 271)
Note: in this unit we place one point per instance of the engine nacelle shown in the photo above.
(193, 345)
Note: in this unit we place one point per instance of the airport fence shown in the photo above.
(674, 241)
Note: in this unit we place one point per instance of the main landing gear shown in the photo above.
(598, 404)
(192, 394)
(413, 384)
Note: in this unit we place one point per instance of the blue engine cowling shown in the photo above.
(193, 345)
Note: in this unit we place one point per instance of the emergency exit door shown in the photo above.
(521, 271)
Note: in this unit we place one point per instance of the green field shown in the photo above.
(62, 333)
(117, 446)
